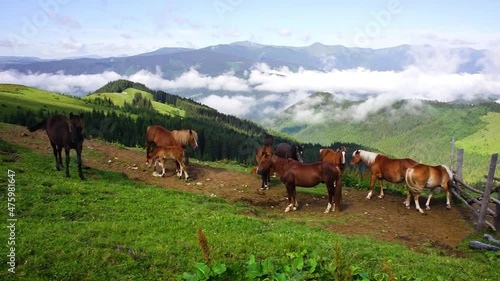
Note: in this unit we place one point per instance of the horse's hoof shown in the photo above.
(381, 196)
(427, 208)
(421, 211)
(448, 207)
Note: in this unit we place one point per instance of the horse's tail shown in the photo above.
(38, 126)
(410, 182)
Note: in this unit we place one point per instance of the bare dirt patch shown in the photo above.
(384, 219)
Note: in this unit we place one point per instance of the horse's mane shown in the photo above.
(183, 136)
(366, 156)
(450, 174)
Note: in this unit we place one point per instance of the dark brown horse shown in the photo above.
(162, 137)
(64, 133)
(293, 173)
(266, 148)
(423, 176)
(334, 157)
(382, 168)
(293, 151)
(164, 153)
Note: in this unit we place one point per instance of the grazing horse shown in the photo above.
(64, 133)
(382, 168)
(162, 137)
(423, 176)
(294, 151)
(268, 149)
(164, 153)
(293, 173)
(335, 157)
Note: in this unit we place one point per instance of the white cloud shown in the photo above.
(264, 91)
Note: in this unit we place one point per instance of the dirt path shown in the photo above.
(382, 219)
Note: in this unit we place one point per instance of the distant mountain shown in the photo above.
(241, 56)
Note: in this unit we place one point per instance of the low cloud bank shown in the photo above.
(433, 76)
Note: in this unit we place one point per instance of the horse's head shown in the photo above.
(76, 127)
(342, 151)
(298, 152)
(356, 157)
(193, 139)
(266, 162)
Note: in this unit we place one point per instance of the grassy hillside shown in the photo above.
(112, 228)
(128, 95)
(16, 96)
(417, 129)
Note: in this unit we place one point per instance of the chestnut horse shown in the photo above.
(266, 148)
(162, 137)
(164, 153)
(64, 133)
(382, 168)
(423, 176)
(334, 157)
(294, 151)
(293, 173)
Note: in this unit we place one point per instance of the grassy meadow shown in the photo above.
(112, 228)
(128, 95)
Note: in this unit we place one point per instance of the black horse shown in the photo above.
(294, 151)
(64, 133)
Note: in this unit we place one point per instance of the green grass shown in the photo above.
(13, 96)
(112, 228)
(485, 140)
(128, 95)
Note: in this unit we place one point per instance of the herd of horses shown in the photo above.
(286, 161)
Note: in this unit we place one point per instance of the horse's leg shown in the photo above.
(295, 203)
(290, 197)
(407, 201)
(183, 170)
(66, 151)
(417, 205)
(331, 190)
(337, 194)
(162, 164)
(372, 183)
(79, 160)
(428, 202)
(381, 189)
(448, 206)
(55, 149)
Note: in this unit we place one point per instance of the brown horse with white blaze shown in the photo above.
(293, 173)
(423, 176)
(334, 157)
(382, 168)
(164, 153)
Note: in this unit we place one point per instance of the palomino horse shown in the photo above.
(292, 174)
(335, 157)
(421, 176)
(64, 133)
(162, 137)
(382, 168)
(266, 148)
(294, 151)
(164, 153)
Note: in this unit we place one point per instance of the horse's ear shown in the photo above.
(190, 132)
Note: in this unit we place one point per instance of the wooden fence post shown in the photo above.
(487, 192)
(460, 162)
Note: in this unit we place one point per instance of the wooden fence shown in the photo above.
(489, 207)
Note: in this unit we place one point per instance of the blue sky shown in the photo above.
(67, 28)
